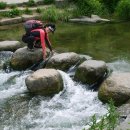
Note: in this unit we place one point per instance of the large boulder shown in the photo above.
(9, 45)
(90, 71)
(63, 61)
(22, 58)
(116, 87)
(44, 82)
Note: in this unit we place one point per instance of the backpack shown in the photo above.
(32, 24)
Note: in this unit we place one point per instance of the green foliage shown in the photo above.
(31, 3)
(110, 5)
(53, 14)
(38, 10)
(65, 15)
(48, 1)
(112, 116)
(88, 7)
(3, 5)
(27, 11)
(50, 14)
(108, 121)
(123, 9)
(12, 13)
(13, 6)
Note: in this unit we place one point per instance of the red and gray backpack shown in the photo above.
(32, 24)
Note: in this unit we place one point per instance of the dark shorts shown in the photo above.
(31, 41)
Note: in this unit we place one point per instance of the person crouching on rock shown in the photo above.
(38, 38)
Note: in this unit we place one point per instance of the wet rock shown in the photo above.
(63, 61)
(22, 58)
(90, 71)
(125, 125)
(116, 87)
(44, 82)
(124, 116)
(9, 45)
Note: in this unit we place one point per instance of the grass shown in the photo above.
(108, 122)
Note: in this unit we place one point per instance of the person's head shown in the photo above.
(50, 27)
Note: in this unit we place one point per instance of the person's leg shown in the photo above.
(30, 42)
(37, 44)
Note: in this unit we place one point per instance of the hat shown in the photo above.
(51, 26)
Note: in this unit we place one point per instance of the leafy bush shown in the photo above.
(38, 10)
(27, 11)
(13, 6)
(123, 9)
(108, 122)
(48, 1)
(110, 5)
(31, 3)
(65, 15)
(50, 14)
(88, 7)
(53, 14)
(12, 13)
(3, 5)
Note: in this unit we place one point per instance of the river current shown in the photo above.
(70, 109)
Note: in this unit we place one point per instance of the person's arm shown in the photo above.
(42, 37)
(48, 43)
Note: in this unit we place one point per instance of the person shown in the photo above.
(38, 38)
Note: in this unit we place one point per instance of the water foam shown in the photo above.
(68, 110)
(11, 84)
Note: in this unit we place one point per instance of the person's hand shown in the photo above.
(52, 52)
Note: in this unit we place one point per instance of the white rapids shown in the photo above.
(71, 109)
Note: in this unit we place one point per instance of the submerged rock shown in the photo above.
(90, 71)
(22, 58)
(44, 82)
(116, 87)
(9, 45)
(63, 61)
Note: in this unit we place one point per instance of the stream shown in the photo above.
(72, 108)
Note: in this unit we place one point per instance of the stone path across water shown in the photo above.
(24, 17)
(13, 1)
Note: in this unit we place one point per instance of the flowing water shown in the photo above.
(72, 108)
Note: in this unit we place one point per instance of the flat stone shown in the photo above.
(14, 1)
(9, 45)
(63, 61)
(92, 19)
(7, 21)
